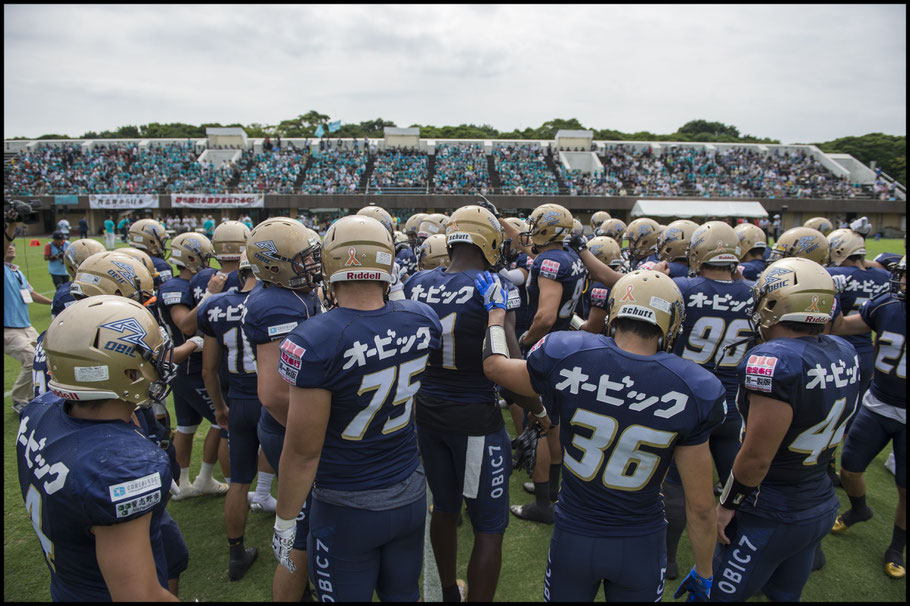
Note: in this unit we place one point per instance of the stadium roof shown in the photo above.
(697, 208)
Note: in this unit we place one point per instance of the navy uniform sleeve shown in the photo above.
(266, 318)
(202, 318)
(302, 365)
(599, 295)
(513, 296)
(198, 284)
(710, 396)
(129, 489)
(175, 292)
(772, 372)
(165, 271)
(867, 311)
(62, 298)
(545, 355)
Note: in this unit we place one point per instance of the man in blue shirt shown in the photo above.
(109, 232)
(19, 338)
(53, 254)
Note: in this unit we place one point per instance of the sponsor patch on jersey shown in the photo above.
(68, 303)
(538, 344)
(759, 371)
(599, 294)
(287, 371)
(130, 488)
(165, 275)
(91, 374)
(549, 268)
(513, 300)
(281, 329)
(138, 505)
(171, 298)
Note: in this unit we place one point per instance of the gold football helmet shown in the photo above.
(191, 251)
(794, 289)
(750, 236)
(413, 222)
(229, 240)
(92, 344)
(434, 223)
(148, 235)
(282, 251)
(79, 251)
(642, 235)
(433, 252)
(713, 243)
(598, 218)
(548, 223)
(577, 228)
(607, 250)
(112, 273)
(476, 225)
(802, 242)
(518, 223)
(613, 228)
(380, 214)
(648, 296)
(821, 224)
(357, 247)
(674, 240)
(843, 243)
(141, 256)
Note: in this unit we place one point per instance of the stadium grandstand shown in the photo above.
(228, 171)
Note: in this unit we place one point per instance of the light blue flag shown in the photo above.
(334, 126)
(319, 131)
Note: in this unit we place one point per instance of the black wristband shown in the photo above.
(735, 493)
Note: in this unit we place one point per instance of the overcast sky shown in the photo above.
(794, 73)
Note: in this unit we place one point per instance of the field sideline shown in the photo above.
(854, 570)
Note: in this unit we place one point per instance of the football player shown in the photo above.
(191, 252)
(227, 347)
(594, 299)
(398, 272)
(597, 219)
(803, 242)
(609, 522)
(752, 246)
(94, 487)
(797, 390)
(714, 337)
(228, 242)
(410, 229)
(555, 283)
(612, 228)
(284, 255)
(847, 253)
(643, 235)
(151, 236)
(433, 223)
(464, 445)
(353, 373)
(882, 416)
(405, 256)
(75, 253)
(673, 244)
(821, 224)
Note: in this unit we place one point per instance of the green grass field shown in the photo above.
(854, 572)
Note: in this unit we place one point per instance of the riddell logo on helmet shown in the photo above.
(363, 275)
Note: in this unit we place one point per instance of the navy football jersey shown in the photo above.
(819, 378)
(717, 314)
(622, 416)
(176, 291)
(271, 312)
(75, 474)
(595, 295)
(522, 320)
(562, 266)
(220, 316)
(887, 259)
(372, 362)
(165, 271)
(888, 318)
(678, 270)
(861, 286)
(407, 261)
(62, 298)
(200, 281)
(752, 269)
(40, 377)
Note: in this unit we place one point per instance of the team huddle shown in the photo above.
(361, 367)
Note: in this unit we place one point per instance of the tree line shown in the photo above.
(888, 151)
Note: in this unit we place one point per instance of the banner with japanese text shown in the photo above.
(123, 201)
(217, 200)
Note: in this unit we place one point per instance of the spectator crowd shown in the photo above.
(396, 168)
(523, 170)
(460, 169)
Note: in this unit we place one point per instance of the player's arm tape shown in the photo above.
(282, 524)
(494, 342)
(735, 493)
(542, 413)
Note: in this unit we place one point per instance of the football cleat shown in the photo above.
(533, 513)
(238, 567)
(462, 589)
(672, 570)
(185, 492)
(266, 505)
(890, 464)
(212, 486)
(894, 564)
(849, 518)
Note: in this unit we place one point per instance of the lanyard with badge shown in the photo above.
(23, 292)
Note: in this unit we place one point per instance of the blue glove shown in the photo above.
(698, 587)
(494, 295)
